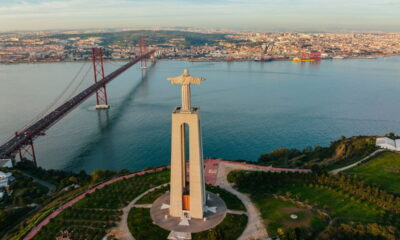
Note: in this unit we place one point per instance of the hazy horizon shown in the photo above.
(252, 15)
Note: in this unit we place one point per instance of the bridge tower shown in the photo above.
(27, 150)
(142, 51)
(98, 69)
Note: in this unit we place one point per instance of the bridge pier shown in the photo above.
(27, 150)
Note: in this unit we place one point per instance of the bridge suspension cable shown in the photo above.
(57, 98)
(79, 85)
(23, 138)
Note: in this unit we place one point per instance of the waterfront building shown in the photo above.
(387, 143)
(5, 179)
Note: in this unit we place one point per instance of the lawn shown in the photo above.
(231, 201)
(337, 204)
(229, 229)
(276, 214)
(383, 171)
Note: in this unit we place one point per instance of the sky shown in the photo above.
(258, 15)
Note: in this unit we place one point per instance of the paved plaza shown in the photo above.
(160, 210)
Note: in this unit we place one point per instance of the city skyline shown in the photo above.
(257, 15)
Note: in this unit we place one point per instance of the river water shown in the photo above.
(247, 108)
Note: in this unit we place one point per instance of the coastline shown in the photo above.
(371, 57)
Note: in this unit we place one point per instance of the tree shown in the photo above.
(73, 179)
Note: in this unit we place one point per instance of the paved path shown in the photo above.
(336, 171)
(121, 231)
(255, 228)
(236, 212)
(54, 214)
(212, 166)
(142, 205)
(48, 185)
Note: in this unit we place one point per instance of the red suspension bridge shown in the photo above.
(22, 142)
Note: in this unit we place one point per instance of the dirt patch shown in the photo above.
(292, 210)
(304, 215)
(394, 170)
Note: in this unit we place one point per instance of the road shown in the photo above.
(336, 171)
(48, 185)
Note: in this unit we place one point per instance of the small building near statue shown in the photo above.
(388, 143)
(6, 163)
(5, 179)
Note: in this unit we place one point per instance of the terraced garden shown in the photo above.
(93, 215)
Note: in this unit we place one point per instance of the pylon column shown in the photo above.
(28, 149)
(142, 51)
(98, 69)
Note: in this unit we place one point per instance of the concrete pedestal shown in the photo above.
(215, 212)
(102, 106)
(178, 164)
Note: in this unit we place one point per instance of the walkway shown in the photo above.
(212, 166)
(48, 185)
(54, 214)
(255, 228)
(336, 171)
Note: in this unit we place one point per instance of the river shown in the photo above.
(247, 108)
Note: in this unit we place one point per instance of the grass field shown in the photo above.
(337, 204)
(276, 214)
(383, 171)
(231, 201)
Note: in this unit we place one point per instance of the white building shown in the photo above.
(387, 143)
(6, 163)
(5, 179)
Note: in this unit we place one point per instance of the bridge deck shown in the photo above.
(37, 129)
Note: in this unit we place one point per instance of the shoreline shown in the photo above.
(202, 60)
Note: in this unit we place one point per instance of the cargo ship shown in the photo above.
(270, 59)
